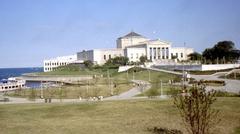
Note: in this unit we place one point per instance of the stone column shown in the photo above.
(148, 53)
(156, 53)
(152, 54)
(160, 52)
(165, 53)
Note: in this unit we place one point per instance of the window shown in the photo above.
(109, 56)
(177, 55)
(131, 56)
(181, 55)
(137, 55)
(104, 57)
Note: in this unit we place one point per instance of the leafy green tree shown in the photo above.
(143, 59)
(88, 63)
(223, 50)
(118, 61)
(195, 56)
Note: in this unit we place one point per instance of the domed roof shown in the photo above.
(132, 34)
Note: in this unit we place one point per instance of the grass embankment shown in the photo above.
(77, 70)
(155, 90)
(116, 117)
(134, 73)
(91, 88)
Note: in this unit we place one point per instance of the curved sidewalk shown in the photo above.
(141, 86)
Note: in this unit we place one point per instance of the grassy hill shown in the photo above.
(110, 117)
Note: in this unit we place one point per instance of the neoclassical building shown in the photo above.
(133, 46)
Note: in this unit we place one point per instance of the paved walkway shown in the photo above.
(231, 85)
(162, 70)
(141, 86)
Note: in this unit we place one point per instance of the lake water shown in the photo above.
(5, 73)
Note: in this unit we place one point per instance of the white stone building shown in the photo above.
(51, 64)
(134, 46)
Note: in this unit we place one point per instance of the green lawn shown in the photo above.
(91, 88)
(139, 74)
(77, 70)
(99, 86)
(143, 74)
(111, 117)
(155, 90)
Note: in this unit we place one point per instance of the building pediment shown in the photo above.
(156, 42)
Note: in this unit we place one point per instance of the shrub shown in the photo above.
(208, 82)
(153, 92)
(195, 108)
(157, 130)
(88, 63)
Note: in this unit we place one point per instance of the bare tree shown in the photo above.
(195, 108)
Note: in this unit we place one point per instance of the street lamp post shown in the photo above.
(149, 75)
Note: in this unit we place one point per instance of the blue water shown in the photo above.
(5, 73)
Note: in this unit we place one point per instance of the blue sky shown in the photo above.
(34, 30)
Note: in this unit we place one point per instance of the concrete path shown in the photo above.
(141, 86)
(231, 85)
(162, 70)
